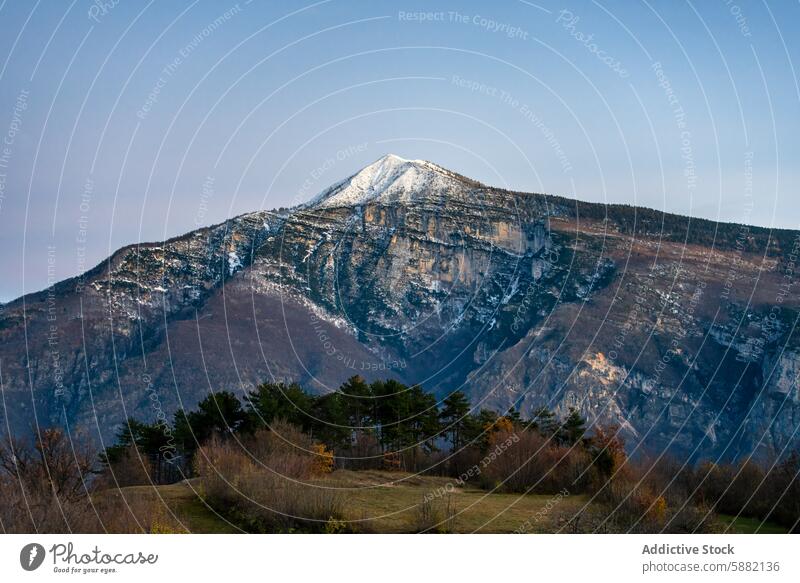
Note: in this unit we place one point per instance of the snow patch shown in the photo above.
(511, 291)
(390, 179)
(234, 262)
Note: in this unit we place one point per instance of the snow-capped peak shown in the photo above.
(390, 179)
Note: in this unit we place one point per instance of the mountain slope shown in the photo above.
(679, 330)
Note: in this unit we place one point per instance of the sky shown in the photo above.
(127, 121)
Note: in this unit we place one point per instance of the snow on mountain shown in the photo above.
(391, 179)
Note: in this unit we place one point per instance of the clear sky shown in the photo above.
(127, 121)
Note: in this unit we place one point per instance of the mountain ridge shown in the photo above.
(565, 201)
(451, 283)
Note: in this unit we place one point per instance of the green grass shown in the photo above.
(744, 525)
(182, 501)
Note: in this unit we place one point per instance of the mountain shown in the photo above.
(681, 331)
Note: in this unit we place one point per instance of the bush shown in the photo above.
(434, 515)
(364, 453)
(530, 463)
(637, 499)
(44, 486)
(130, 467)
(264, 483)
(782, 490)
(139, 513)
(746, 489)
(50, 487)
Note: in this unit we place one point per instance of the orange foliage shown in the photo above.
(323, 459)
(391, 461)
(501, 425)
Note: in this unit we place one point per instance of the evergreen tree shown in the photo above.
(455, 418)
(573, 428)
(272, 401)
(330, 423)
(219, 413)
(514, 417)
(357, 398)
(544, 420)
(391, 413)
(424, 420)
(479, 427)
(356, 403)
(149, 438)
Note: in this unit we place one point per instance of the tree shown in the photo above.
(148, 438)
(424, 420)
(272, 401)
(455, 418)
(219, 413)
(44, 485)
(478, 428)
(607, 450)
(514, 416)
(53, 467)
(329, 420)
(391, 411)
(544, 420)
(357, 398)
(572, 429)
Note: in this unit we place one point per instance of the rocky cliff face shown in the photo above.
(680, 331)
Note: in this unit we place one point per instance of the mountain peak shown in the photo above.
(393, 159)
(390, 179)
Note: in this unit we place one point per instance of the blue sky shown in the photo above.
(133, 121)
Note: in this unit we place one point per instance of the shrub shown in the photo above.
(637, 499)
(51, 487)
(43, 487)
(533, 463)
(135, 513)
(434, 515)
(263, 483)
(324, 460)
(364, 453)
(130, 467)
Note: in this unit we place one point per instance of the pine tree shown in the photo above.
(329, 420)
(358, 401)
(455, 418)
(272, 401)
(514, 416)
(219, 413)
(424, 418)
(544, 420)
(149, 439)
(391, 410)
(573, 428)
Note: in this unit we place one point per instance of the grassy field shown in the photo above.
(377, 501)
(742, 525)
(179, 505)
(389, 502)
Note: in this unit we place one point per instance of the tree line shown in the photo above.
(276, 440)
(388, 415)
